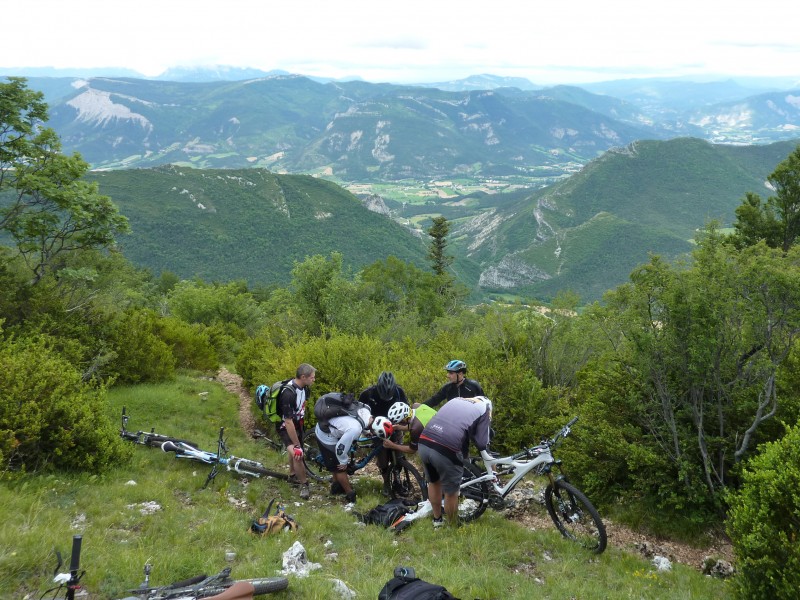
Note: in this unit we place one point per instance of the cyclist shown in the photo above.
(411, 419)
(444, 445)
(379, 398)
(334, 446)
(292, 409)
(458, 386)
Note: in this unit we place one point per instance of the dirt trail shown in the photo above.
(619, 536)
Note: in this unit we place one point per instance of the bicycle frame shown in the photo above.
(536, 458)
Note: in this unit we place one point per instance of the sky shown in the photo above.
(412, 41)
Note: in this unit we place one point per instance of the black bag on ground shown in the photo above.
(405, 585)
(386, 514)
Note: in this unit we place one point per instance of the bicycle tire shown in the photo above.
(575, 517)
(473, 500)
(266, 585)
(155, 440)
(312, 459)
(407, 483)
(256, 469)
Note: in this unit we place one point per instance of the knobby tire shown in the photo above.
(473, 500)
(312, 459)
(261, 586)
(407, 483)
(575, 517)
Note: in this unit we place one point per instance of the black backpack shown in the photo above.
(405, 585)
(336, 404)
(386, 514)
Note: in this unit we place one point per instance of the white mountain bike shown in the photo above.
(575, 517)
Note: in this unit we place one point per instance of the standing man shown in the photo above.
(335, 443)
(458, 386)
(292, 409)
(444, 446)
(379, 398)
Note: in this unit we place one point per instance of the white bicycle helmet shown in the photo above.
(382, 427)
(398, 411)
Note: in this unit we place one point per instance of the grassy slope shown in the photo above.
(491, 558)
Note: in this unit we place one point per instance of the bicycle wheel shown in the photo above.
(261, 586)
(407, 483)
(245, 466)
(154, 440)
(575, 517)
(312, 458)
(472, 500)
(269, 434)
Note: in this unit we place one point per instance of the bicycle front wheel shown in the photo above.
(312, 457)
(244, 466)
(575, 517)
(407, 483)
(473, 499)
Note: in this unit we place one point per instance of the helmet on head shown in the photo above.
(387, 387)
(456, 365)
(382, 427)
(398, 411)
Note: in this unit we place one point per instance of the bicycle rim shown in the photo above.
(312, 459)
(407, 483)
(575, 517)
(472, 500)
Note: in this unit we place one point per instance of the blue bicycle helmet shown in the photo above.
(456, 365)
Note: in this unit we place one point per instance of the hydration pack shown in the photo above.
(267, 400)
(336, 404)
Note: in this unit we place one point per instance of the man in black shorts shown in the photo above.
(444, 446)
(292, 409)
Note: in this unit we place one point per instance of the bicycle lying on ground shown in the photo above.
(216, 587)
(574, 516)
(405, 479)
(184, 449)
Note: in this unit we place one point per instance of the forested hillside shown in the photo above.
(248, 224)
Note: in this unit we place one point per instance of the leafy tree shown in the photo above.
(437, 251)
(776, 221)
(704, 346)
(45, 206)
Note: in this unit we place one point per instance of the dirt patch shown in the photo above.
(619, 536)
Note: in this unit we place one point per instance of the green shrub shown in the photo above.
(764, 521)
(141, 355)
(48, 416)
(191, 344)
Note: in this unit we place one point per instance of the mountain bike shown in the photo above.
(573, 514)
(405, 479)
(215, 587)
(147, 438)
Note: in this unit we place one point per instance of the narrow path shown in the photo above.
(233, 383)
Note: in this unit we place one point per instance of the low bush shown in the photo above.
(48, 416)
(764, 522)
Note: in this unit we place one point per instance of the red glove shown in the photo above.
(298, 452)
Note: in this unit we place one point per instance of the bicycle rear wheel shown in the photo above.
(407, 483)
(472, 500)
(312, 458)
(261, 586)
(575, 517)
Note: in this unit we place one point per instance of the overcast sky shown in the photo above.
(406, 41)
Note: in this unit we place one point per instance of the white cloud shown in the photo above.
(414, 40)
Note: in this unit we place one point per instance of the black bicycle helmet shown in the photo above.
(387, 387)
(456, 365)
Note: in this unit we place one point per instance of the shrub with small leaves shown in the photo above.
(764, 522)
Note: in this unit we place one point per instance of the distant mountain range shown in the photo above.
(358, 132)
